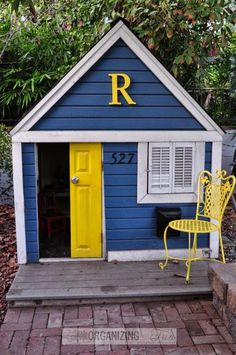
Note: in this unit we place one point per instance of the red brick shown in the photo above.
(141, 309)
(102, 347)
(85, 312)
(116, 347)
(77, 322)
(50, 309)
(114, 319)
(137, 319)
(26, 315)
(232, 347)
(71, 312)
(207, 339)
(205, 302)
(5, 339)
(154, 351)
(193, 327)
(40, 320)
(210, 310)
(16, 326)
(225, 334)
(55, 320)
(19, 341)
(183, 338)
(171, 313)
(119, 352)
(205, 349)
(222, 349)
(100, 316)
(113, 308)
(127, 310)
(207, 327)
(46, 332)
(52, 345)
(194, 316)
(171, 350)
(158, 316)
(195, 306)
(182, 307)
(175, 324)
(217, 322)
(12, 315)
(75, 349)
(35, 346)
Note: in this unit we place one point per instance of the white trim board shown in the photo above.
(116, 136)
(216, 162)
(19, 202)
(150, 254)
(119, 31)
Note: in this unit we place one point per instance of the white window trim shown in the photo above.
(142, 179)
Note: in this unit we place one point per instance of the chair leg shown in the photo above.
(188, 262)
(222, 247)
(163, 265)
(195, 245)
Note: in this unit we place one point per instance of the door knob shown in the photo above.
(75, 180)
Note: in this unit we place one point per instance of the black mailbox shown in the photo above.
(164, 216)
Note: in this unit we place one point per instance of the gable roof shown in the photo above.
(119, 31)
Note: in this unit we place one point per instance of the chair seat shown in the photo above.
(193, 226)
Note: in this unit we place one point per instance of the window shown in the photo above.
(168, 172)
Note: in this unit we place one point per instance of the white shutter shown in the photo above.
(159, 177)
(183, 169)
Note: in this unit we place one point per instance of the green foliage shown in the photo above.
(42, 40)
(5, 150)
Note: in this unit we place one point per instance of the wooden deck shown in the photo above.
(100, 282)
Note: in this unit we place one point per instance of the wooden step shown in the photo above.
(68, 283)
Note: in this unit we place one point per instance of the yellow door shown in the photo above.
(86, 200)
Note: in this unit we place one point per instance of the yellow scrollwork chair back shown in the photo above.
(214, 192)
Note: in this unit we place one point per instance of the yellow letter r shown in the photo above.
(121, 89)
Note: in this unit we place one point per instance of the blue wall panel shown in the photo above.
(30, 193)
(132, 226)
(86, 105)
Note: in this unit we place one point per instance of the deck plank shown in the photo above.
(106, 281)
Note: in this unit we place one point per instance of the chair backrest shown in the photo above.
(214, 191)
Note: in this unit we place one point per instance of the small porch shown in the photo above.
(73, 283)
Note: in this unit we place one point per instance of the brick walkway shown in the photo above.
(35, 331)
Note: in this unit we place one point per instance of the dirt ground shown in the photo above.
(8, 264)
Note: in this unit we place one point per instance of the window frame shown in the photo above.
(143, 196)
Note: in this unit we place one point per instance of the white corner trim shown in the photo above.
(142, 177)
(150, 254)
(216, 162)
(120, 30)
(19, 202)
(116, 136)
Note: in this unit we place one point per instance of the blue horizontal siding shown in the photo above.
(30, 193)
(94, 100)
(127, 124)
(208, 152)
(86, 105)
(132, 226)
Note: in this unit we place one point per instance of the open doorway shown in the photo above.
(54, 200)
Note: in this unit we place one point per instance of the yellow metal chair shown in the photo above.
(214, 192)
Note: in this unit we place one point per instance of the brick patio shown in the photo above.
(39, 330)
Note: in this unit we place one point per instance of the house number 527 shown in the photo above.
(122, 158)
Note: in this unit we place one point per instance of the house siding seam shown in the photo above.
(30, 193)
(86, 105)
(132, 226)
